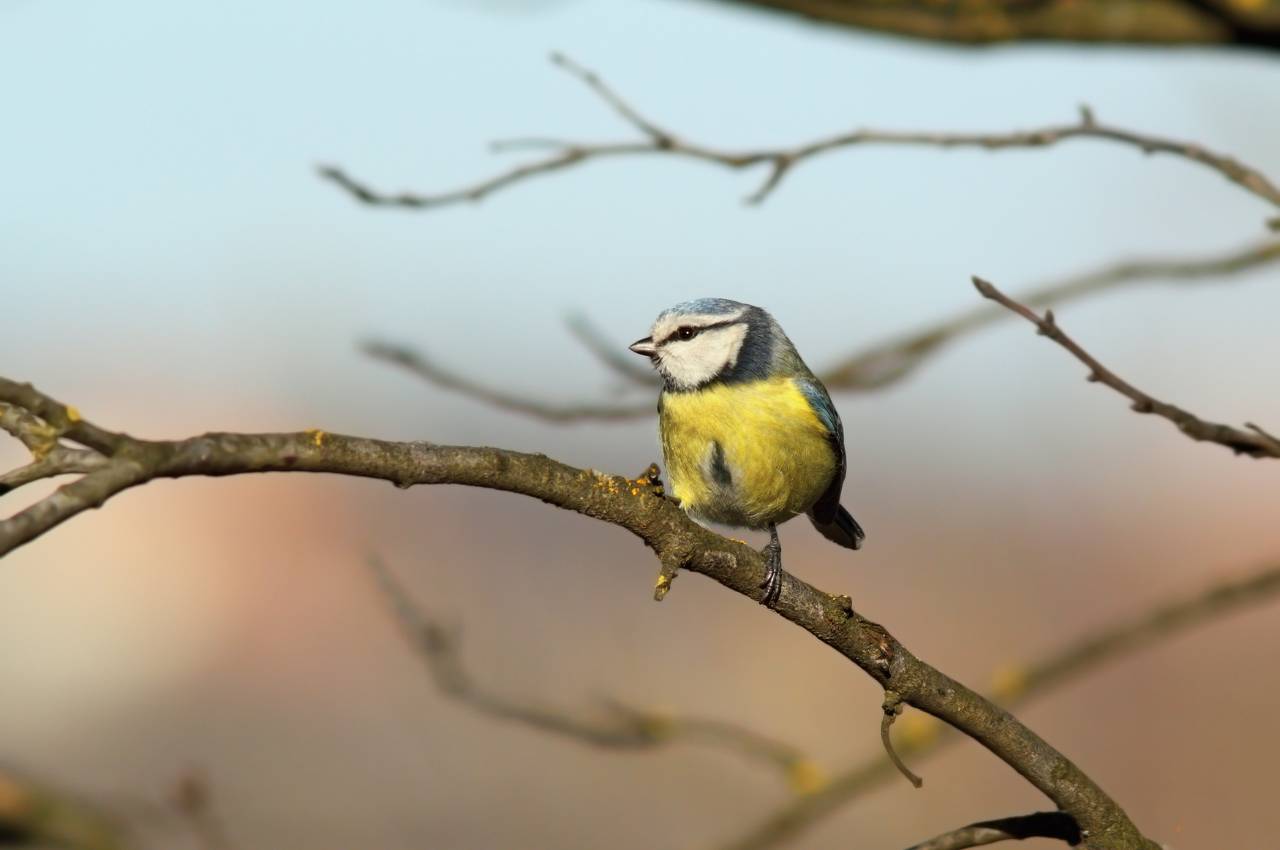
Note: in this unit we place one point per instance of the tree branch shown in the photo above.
(677, 541)
(622, 727)
(422, 366)
(1057, 825)
(565, 154)
(879, 365)
(1160, 22)
(1254, 442)
(1014, 685)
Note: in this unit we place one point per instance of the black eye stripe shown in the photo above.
(675, 335)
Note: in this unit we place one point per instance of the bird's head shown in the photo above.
(697, 342)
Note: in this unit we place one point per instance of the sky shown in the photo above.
(171, 263)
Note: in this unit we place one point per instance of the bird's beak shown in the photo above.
(644, 347)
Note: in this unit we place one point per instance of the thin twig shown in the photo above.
(420, 365)
(622, 727)
(625, 364)
(1253, 442)
(875, 367)
(1059, 825)
(780, 161)
(613, 499)
(193, 800)
(892, 708)
(893, 359)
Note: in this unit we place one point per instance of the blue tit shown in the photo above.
(749, 434)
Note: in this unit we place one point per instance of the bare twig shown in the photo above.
(875, 367)
(892, 708)
(1057, 825)
(621, 727)
(674, 538)
(890, 361)
(420, 365)
(193, 800)
(1015, 685)
(626, 365)
(1253, 442)
(780, 161)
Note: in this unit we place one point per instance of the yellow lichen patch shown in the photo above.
(317, 437)
(806, 776)
(663, 582)
(915, 729)
(1008, 681)
(15, 800)
(73, 415)
(658, 723)
(635, 492)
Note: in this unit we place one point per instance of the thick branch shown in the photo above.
(1171, 22)
(1057, 825)
(565, 154)
(618, 727)
(1012, 686)
(879, 365)
(1254, 442)
(676, 540)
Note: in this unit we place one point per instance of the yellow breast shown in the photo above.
(745, 454)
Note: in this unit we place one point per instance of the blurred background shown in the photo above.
(171, 263)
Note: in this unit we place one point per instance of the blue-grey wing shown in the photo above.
(825, 509)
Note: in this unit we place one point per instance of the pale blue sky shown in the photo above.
(162, 216)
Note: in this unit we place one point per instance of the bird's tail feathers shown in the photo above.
(842, 529)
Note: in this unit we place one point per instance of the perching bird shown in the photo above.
(750, 437)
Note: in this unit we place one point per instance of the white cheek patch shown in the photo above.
(691, 363)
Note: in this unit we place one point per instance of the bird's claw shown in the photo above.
(772, 584)
(651, 479)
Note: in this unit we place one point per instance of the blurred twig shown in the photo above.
(877, 366)
(193, 800)
(620, 726)
(422, 366)
(1013, 685)
(890, 361)
(1254, 441)
(35, 814)
(779, 161)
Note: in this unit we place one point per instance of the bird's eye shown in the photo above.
(686, 332)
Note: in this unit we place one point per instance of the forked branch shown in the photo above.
(676, 540)
(616, 726)
(1013, 685)
(878, 365)
(778, 162)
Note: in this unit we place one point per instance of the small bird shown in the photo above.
(750, 437)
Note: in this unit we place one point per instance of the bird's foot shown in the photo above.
(651, 479)
(772, 584)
